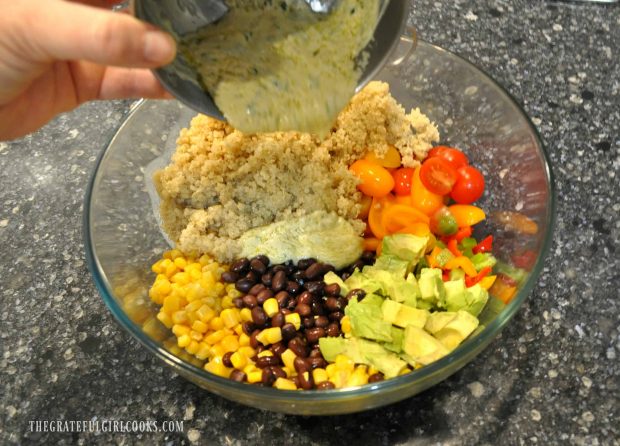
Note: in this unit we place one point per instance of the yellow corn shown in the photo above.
(270, 335)
(174, 253)
(247, 351)
(204, 260)
(200, 327)
(255, 377)
(344, 363)
(203, 351)
(331, 370)
(215, 337)
(246, 315)
(182, 278)
(217, 350)
(217, 368)
(319, 375)
(289, 372)
(359, 377)
(205, 313)
(238, 360)
(216, 323)
(230, 343)
(230, 317)
(183, 341)
(288, 358)
(193, 347)
(179, 317)
(180, 330)
(180, 262)
(345, 324)
(172, 303)
(250, 368)
(271, 306)
(238, 329)
(265, 353)
(244, 340)
(284, 384)
(165, 319)
(293, 318)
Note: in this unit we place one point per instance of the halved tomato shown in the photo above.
(423, 199)
(438, 175)
(375, 220)
(398, 216)
(454, 156)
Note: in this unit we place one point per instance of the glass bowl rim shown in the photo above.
(486, 335)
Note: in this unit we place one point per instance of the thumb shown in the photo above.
(67, 31)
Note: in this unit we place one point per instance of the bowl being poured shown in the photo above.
(267, 66)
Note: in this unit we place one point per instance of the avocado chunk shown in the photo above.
(390, 263)
(332, 346)
(367, 320)
(383, 360)
(359, 280)
(421, 346)
(411, 316)
(456, 295)
(457, 330)
(432, 289)
(437, 320)
(396, 345)
(390, 310)
(477, 298)
(404, 246)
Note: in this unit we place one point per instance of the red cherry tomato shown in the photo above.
(455, 157)
(402, 180)
(469, 185)
(438, 175)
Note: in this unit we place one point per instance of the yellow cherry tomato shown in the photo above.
(418, 228)
(423, 199)
(375, 220)
(466, 214)
(376, 181)
(399, 216)
(391, 159)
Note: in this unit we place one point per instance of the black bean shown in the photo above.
(333, 329)
(248, 328)
(356, 292)
(336, 316)
(314, 271)
(226, 359)
(238, 302)
(331, 303)
(289, 267)
(325, 385)
(243, 285)
(293, 287)
(305, 298)
(282, 298)
(274, 269)
(375, 377)
(306, 381)
(316, 363)
(265, 361)
(368, 256)
(257, 289)
(344, 276)
(333, 289)
(317, 308)
(292, 303)
(286, 311)
(315, 352)
(307, 322)
(278, 371)
(278, 348)
(261, 258)
(249, 301)
(305, 263)
(240, 266)
(327, 268)
(268, 377)
(303, 310)
(255, 343)
(263, 296)
(238, 375)
(277, 320)
(300, 365)
(288, 331)
(359, 264)
(229, 277)
(315, 287)
(258, 267)
(279, 281)
(321, 321)
(314, 334)
(298, 276)
(252, 276)
(266, 279)
(259, 317)
(298, 347)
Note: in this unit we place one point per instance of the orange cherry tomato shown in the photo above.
(438, 175)
(453, 156)
(398, 216)
(418, 228)
(469, 185)
(423, 199)
(366, 202)
(403, 199)
(371, 244)
(466, 214)
(391, 159)
(402, 181)
(375, 220)
(376, 181)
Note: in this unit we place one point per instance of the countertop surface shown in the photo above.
(552, 377)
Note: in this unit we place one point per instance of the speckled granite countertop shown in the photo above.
(552, 377)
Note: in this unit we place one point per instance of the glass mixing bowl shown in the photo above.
(122, 236)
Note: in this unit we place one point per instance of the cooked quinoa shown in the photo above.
(221, 182)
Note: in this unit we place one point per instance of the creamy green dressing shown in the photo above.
(279, 66)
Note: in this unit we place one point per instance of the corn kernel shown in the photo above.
(216, 323)
(238, 360)
(172, 303)
(227, 301)
(193, 347)
(289, 372)
(154, 329)
(293, 318)
(195, 335)
(246, 315)
(265, 353)
(205, 313)
(156, 268)
(250, 367)
(183, 341)
(269, 336)
(230, 343)
(165, 319)
(179, 317)
(331, 370)
(345, 324)
(217, 350)
(255, 377)
(344, 363)
(238, 329)
(217, 368)
(284, 384)
(247, 351)
(319, 375)
(203, 351)
(229, 317)
(271, 306)
(180, 262)
(244, 340)
(195, 274)
(200, 327)
(204, 260)
(288, 358)
(180, 330)
(215, 337)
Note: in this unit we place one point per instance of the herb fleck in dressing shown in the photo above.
(279, 67)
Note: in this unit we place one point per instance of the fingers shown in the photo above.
(119, 83)
(70, 31)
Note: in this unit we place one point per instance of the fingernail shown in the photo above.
(159, 47)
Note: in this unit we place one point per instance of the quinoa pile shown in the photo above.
(222, 182)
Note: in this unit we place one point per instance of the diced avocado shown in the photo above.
(482, 260)
(332, 346)
(397, 340)
(455, 331)
(421, 346)
(431, 288)
(383, 360)
(391, 263)
(408, 358)
(476, 299)
(411, 292)
(437, 320)
(456, 274)
(493, 307)
(390, 310)
(367, 320)
(404, 246)
(359, 280)
(456, 295)
(411, 316)
(332, 277)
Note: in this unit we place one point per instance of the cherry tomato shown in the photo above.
(443, 222)
(438, 175)
(469, 185)
(376, 180)
(455, 157)
(377, 208)
(398, 216)
(402, 180)
(421, 198)
(390, 159)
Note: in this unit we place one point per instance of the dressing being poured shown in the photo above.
(277, 66)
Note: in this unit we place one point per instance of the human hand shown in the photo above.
(56, 54)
